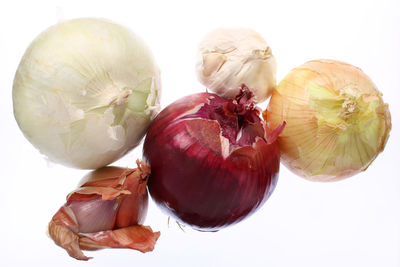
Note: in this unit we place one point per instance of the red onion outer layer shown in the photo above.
(213, 161)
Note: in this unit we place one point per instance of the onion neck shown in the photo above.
(349, 108)
(238, 118)
(244, 107)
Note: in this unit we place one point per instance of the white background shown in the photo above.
(355, 222)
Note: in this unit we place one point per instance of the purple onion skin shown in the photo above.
(192, 179)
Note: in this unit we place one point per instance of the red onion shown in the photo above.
(213, 161)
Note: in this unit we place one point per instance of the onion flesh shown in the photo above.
(213, 162)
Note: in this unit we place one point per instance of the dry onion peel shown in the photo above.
(337, 122)
(106, 211)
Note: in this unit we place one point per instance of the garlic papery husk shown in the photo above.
(230, 57)
(337, 122)
(86, 91)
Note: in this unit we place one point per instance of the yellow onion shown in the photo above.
(337, 122)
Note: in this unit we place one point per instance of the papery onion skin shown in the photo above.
(197, 178)
(85, 92)
(230, 57)
(337, 122)
(106, 211)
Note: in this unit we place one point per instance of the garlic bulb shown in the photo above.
(337, 122)
(228, 58)
(85, 92)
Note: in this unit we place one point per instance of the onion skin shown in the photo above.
(337, 122)
(107, 210)
(194, 178)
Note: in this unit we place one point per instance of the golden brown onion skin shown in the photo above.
(337, 122)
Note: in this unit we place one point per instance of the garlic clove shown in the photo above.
(212, 62)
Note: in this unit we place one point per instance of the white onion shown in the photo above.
(85, 92)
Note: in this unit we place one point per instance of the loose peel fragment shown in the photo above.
(137, 237)
(75, 229)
